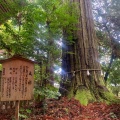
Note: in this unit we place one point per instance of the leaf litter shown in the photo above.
(67, 109)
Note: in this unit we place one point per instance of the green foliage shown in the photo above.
(113, 81)
(12, 6)
(84, 96)
(113, 115)
(115, 89)
(23, 116)
(42, 91)
(0, 67)
(104, 44)
(109, 97)
(35, 25)
(114, 76)
(46, 92)
(24, 113)
(35, 32)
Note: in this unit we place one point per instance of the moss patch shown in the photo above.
(70, 94)
(109, 97)
(84, 96)
(102, 81)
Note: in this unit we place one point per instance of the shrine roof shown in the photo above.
(17, 57)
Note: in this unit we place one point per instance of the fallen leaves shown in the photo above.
(65, 109)
(68, 109)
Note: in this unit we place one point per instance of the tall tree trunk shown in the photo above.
(81, 76)
(50, 57)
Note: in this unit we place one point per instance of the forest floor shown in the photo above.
(65, 109)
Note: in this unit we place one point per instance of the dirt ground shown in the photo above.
(65, 109)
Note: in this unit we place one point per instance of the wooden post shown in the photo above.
(17, 105)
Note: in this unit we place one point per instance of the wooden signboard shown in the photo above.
(17, 79)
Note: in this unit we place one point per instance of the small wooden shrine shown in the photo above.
(17, 79)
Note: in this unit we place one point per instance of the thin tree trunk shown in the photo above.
(109, 66)
(50, 57)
